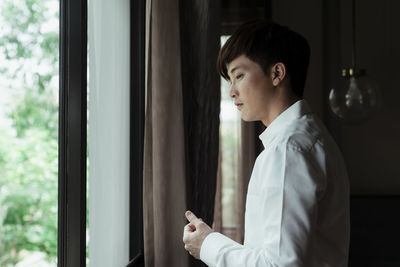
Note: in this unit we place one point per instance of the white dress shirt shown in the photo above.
(297, 206)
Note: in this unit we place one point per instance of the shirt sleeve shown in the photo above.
(301, 179)
(218, 250)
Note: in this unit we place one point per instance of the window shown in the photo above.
(72, 134)
(43, 126)
(29, 59)
(229, 138)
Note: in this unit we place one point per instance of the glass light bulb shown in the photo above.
(354, 99)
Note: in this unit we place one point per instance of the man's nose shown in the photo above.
(233, 92)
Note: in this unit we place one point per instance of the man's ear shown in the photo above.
(278, 73)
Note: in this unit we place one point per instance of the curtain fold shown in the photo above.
(200, 34)
(164, 154)
(201, 92)
(181, 125)
(217, 223)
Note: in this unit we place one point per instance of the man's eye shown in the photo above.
(239, 76)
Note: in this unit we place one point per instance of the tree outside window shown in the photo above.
(29, 41)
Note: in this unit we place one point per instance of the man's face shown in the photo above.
(251, 88)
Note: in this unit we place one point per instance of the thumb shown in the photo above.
(191, 217)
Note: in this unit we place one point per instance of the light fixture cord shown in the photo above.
(354, 34)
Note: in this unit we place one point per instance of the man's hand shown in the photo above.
(194, 234)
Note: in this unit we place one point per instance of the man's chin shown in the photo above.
(246, 119)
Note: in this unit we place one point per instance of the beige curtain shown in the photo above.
(164, 160)
(217, 222)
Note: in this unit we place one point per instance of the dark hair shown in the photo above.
(267, 43)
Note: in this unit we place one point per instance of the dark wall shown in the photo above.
(370, 149)
(375, 231)
(305, 17)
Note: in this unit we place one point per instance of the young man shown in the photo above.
(297, 206)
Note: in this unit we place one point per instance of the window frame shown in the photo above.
(72, 134)
(137, 124)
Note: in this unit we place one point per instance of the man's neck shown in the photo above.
(278, 106)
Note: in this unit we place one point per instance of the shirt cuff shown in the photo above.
(212, 246)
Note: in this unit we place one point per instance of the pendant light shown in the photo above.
(355, 98)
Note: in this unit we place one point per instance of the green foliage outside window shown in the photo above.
(29, 142)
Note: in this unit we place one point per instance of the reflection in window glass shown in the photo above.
(229, 138)
(29, 36)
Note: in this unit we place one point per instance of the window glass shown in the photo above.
(229, 138)
(29, 59)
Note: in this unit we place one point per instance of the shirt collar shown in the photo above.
(295, 111)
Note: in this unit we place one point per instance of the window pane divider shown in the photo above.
(72, 134)
(137, 118)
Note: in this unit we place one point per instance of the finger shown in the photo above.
(192, 226)
(189, 227)
(191, 217)
(187, 237)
